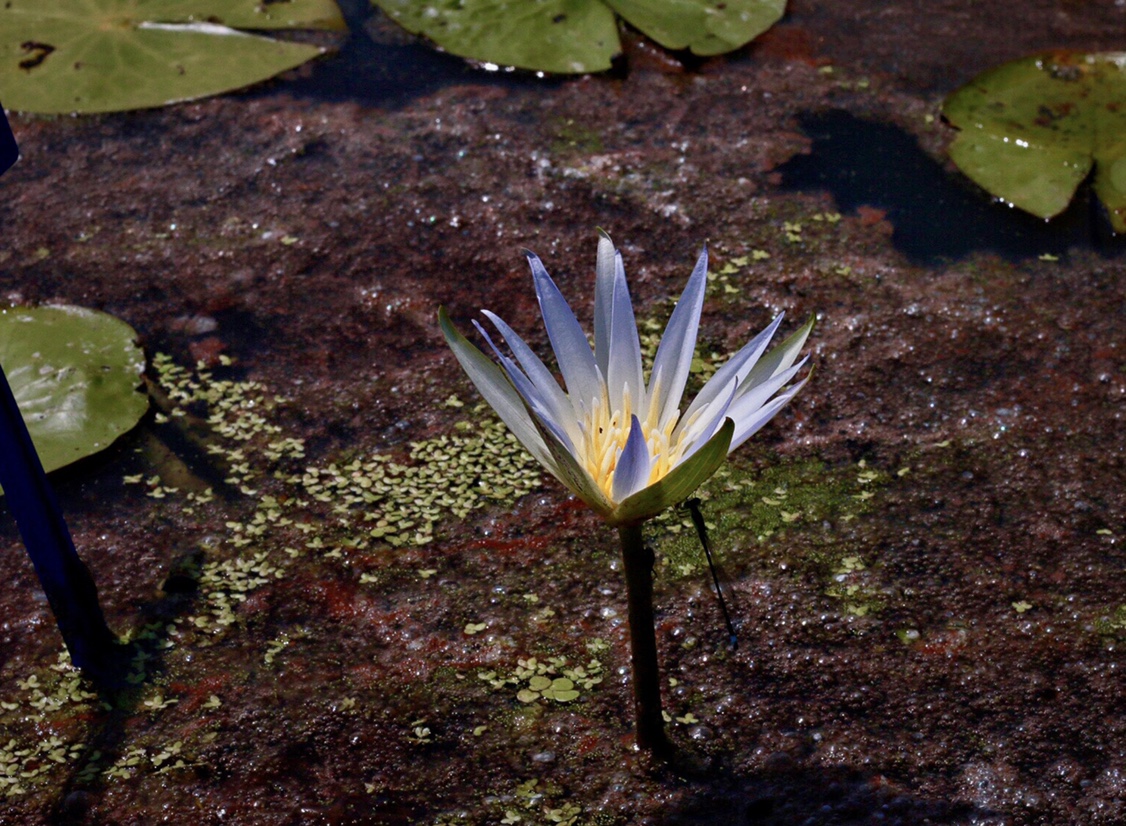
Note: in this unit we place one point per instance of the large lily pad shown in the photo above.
(59, 56)
(574, 36)
(1032, 129)
(74, 373)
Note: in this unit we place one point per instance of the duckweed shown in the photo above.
(550, 679)
(336, 510)
(29, 757)
(341, 507)
(1113, 625)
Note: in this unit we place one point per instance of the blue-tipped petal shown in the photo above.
(751, 426)
(555, 400)
(603, 301)
(533, 398)
(678, 345)
(572, 350)
(749, 398)
(709, 421)
(632, 471)
(625, 348)
(498, 392)
(780, 358)
(738, 365)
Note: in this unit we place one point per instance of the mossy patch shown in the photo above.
(744, 508)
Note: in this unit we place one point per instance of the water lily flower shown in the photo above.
(627, 448)
(624, 446)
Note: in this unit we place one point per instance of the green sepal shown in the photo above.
(679, 484)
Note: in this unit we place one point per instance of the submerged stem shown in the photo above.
(638, 560)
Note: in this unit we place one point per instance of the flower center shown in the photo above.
(604, 436)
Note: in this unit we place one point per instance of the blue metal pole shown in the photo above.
(65, 579)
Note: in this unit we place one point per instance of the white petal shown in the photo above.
(555, 400)
(748, 399)
(780, 358)
(572, 350)
(632, 471)
(499, 393)
(708, 421)
(678, 345)
(603, 301)
(736, 367)
(744, 430)
(625, 348)
(539, 405)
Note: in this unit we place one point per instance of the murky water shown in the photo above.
(342, 574)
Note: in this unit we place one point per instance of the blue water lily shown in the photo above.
(626, 447)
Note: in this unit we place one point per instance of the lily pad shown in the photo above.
(67, 56)
(1031, 130)
(575, 36)
(705, 28)
(74, 373)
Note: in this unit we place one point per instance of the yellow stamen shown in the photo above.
(604, 436)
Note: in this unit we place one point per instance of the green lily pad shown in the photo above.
(575, 36)
(706, 28)
(1031, 130)
(74, 373)
(66, 56)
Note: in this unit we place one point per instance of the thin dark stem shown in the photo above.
(638, 559)
(693, 506)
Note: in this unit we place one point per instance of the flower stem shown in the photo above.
(638, 559)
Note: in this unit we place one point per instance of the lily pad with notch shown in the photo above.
(111, 55)
(1031, 130)
(75, 375)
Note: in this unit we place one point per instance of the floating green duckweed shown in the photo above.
(420, 734)
(1113, 625)
(550, 679)
(159, 759)
(32, 752)
(533, 802)
(374, 499)
(23, 768)
(338, 510)
(754, 509)
(850, 583)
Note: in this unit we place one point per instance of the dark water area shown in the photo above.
(938, 214)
